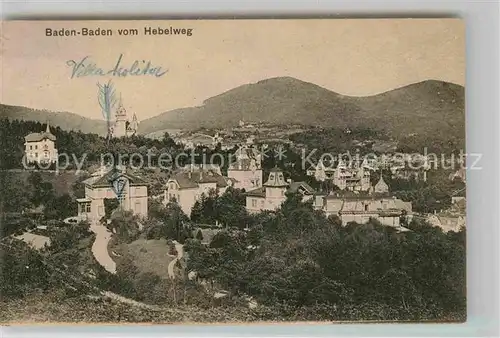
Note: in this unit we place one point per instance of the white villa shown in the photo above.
(40, 147)
(186, 187)
(133, 196)
(272, 194)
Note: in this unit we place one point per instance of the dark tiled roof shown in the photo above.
(105, 180)
(187, 180)
(36, 137)
(259, 192)
(294, 186)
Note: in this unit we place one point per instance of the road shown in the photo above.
(100, 247)
(180, 252)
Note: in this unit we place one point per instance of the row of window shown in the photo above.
(36, 147)
(255, 201)
(86, 208)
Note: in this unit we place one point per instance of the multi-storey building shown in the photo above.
(40, 147)
(130, 190)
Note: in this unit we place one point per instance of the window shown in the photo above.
(87, 207)
(366, 207)
(31, 147)
(254, 203)
(36, 147)
(271, 177)
(36, 154)
(282, 192)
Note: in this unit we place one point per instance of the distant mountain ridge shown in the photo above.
(431, 109)
(64, 120)
(427, 107)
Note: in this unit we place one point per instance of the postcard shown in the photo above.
(233, 171)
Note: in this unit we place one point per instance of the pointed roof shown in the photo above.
(115, 173)
(37, 137)
(381, 186)
(276, 178)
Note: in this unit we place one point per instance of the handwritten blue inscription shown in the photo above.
(85, 67)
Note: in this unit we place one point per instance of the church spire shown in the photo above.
(47, 130)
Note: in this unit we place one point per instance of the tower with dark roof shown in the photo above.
(275, 188)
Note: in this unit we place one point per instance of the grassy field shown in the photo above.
(62, 182)
(148, 255)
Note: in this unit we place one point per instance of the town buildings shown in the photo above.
(351, 177)
(348, 205)
(359, 207)
(451, 219)
(193, 140)
(40, 147)
(130, 190)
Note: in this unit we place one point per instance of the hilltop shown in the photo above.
(429, 107)
(64, 120)
(426, 110)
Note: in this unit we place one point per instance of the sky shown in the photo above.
(349, 56)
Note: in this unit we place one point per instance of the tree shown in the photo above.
(230, 209)
(61, 207)
(110, 205)
(199, 235)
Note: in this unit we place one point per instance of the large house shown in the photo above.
(273, 193)
(186, 187)
(359, 207)
(130, 190)
(40, 147)
(246, 170)
(352, 177)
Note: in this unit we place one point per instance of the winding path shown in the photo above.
(180, 252)
(100, 247)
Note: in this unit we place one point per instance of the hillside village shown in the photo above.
(191, 235)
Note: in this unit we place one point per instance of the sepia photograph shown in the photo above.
(244, 171)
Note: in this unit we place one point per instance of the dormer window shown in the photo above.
(271, 177)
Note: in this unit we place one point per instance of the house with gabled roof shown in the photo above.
(187, 187)
(130, 190)
(273, 193)
(40, 147)
(359, 207)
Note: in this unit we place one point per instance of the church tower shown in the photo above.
(133, 126)
(120, 128)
